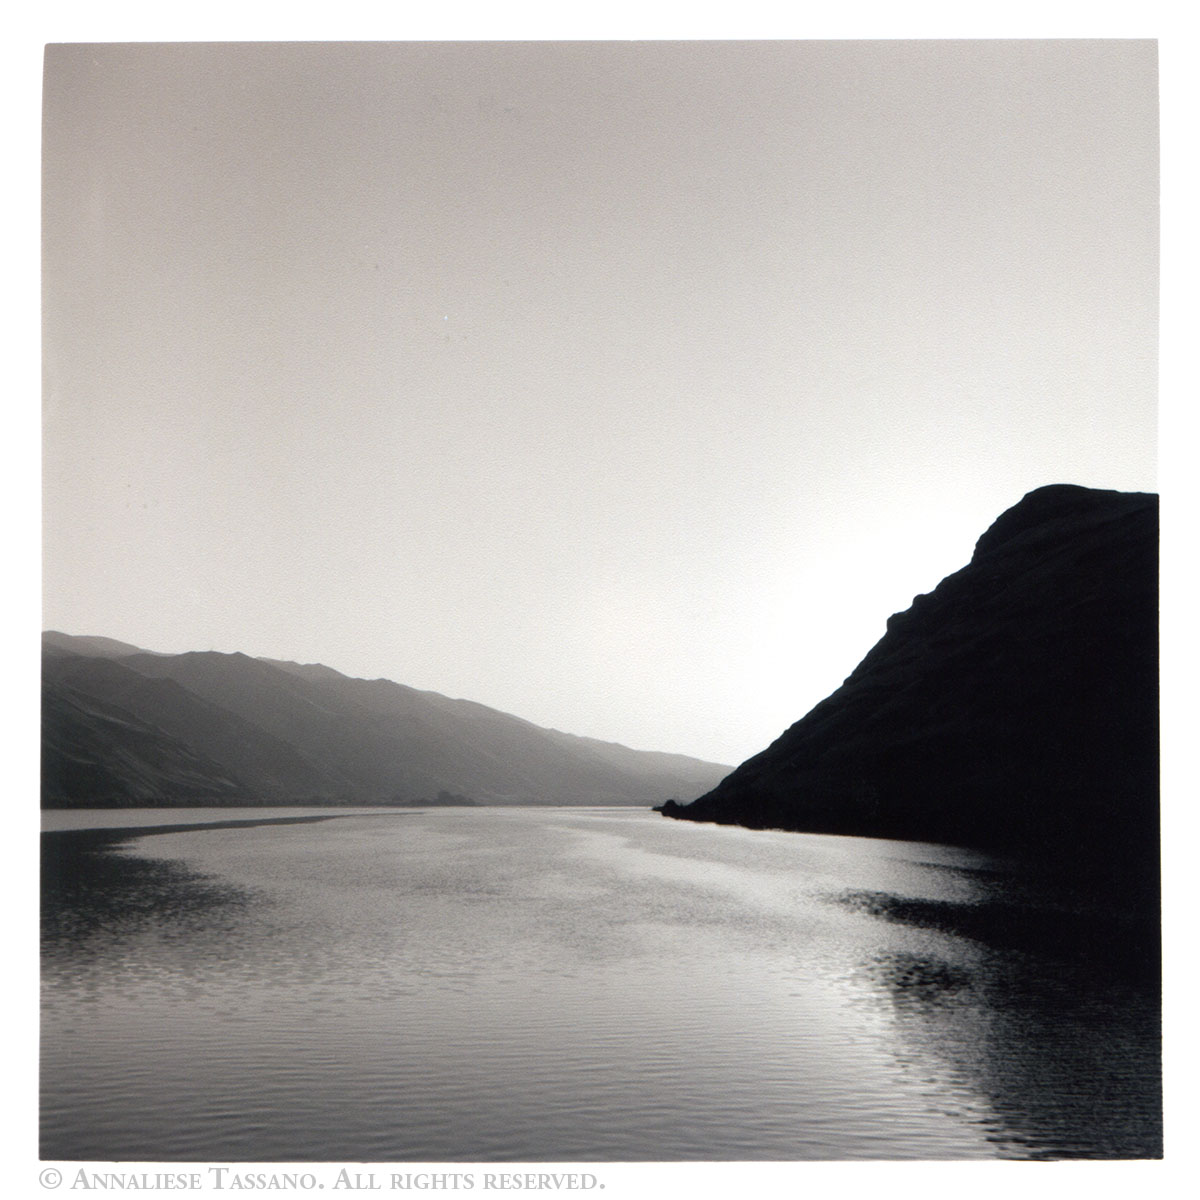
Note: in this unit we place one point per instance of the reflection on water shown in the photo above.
(916, 983)
(1110, 942)
(1067, 1073)
(93, 895)
(1045, 999)
(497, 985)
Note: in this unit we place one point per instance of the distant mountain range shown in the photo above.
(1014, 708)
(124, 726)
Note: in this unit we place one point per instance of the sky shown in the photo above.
(627, 387)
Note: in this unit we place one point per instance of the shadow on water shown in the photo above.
(91, 890)
(1112, 943)
(1052, 1017)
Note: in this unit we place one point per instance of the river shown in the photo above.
(568, 985)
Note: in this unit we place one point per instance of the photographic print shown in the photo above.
(600, 605)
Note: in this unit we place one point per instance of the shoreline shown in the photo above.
(96, 838)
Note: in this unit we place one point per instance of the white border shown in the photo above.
(254, 21)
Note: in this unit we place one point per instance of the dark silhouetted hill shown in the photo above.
(1014, 708)
(226, 728)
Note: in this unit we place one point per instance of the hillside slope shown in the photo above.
(1013, 708)
(278, 732)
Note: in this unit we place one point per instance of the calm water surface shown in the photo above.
(570, 985)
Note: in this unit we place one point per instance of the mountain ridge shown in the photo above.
(275, 731)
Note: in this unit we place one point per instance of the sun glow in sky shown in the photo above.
(627, 387)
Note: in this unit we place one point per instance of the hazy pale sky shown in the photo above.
(626, 387)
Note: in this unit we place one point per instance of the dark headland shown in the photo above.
(1013, 709)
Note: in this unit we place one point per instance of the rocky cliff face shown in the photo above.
(1013, 708)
